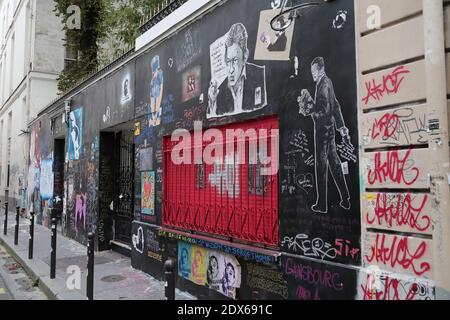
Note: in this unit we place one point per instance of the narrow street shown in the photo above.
(14, 282)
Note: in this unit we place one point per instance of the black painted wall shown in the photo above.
(331, 235)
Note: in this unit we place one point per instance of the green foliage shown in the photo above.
(107, 28)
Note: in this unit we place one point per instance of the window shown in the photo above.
(70, 58)
(227, 195)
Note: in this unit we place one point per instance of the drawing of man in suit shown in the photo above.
(325, 111)
(244, 90)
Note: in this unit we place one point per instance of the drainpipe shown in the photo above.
(435, 73)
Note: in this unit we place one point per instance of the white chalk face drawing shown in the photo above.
(326, 113)
(236, 86)
(138, 240)
(270, 44)
(126, 90)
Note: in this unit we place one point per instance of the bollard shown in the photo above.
(90, 267)
(31, 240)
(5, 228)
(170, 280)
(16, 229)
(53, 253)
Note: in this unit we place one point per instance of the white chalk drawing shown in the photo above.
(270, 44)
(107, 115)
(236, 86)
(296, 65)
(138, 240)
(189, 50)
(340, 20)
(326, 113)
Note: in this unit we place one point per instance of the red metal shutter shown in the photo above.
(228, 198)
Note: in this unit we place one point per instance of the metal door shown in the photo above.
(124, 208)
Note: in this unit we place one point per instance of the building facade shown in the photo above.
(31, 57)
(273, 152)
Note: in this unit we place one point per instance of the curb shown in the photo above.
(34, 277)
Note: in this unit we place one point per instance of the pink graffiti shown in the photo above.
(399, 252)
(390, 85)
(399, 211)
(385, 127)
(393, 168)
(392, 290)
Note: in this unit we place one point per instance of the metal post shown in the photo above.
(16, 229)
(170, 280)
(31, 240)
(53, 253)
(90, 267)
(5, 228)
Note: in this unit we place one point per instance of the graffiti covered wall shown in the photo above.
(353, 202)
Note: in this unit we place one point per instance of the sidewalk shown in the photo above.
(114, 278)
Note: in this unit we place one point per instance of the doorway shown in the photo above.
(58, 179)
(124, 208)
(116, 186)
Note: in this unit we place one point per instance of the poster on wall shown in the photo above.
(218, 271)
(198, 265)
(148, 193)
(156, 92)
(75, 134)
(184, 259)
(46, 180)
(270, 44)
(232, 72)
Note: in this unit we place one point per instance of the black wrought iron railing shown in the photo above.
(159, 13)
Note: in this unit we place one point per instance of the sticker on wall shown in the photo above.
(146, 159)
(156, 92)
(231, 73)
(75, 134)
(137, 129)
(126, 92)
(191, 83)
(270, 44)
(46, 179)
(148, 193)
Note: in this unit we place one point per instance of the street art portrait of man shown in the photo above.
(75, 134)
(156, 92)
(244, 86)
(326, 114)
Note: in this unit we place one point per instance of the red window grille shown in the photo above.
(229, 198)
